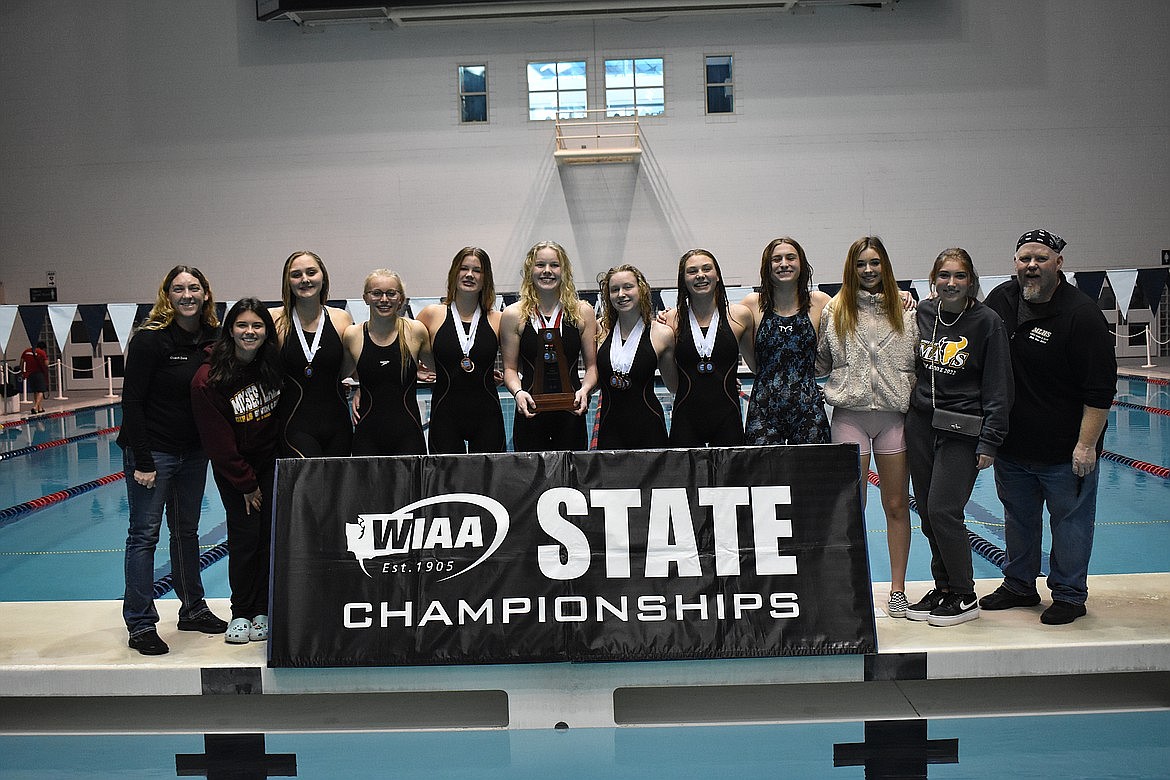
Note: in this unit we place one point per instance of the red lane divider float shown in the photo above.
(1153, 380)
(1140, 408)
(15, 512)
(1140, 465)
(54, 415)
(57, 443)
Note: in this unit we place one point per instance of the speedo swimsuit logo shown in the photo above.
(945, 352)
(409, 529)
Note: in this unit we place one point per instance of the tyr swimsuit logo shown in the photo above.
(948, 353)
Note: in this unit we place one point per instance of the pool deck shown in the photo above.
(65, 668)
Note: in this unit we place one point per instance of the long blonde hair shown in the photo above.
(162, 313)
(400, 321)
(608, 315)
(529, 301)
(845, 301)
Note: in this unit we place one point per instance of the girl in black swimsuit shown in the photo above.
(548, 311)
(634, 347)
(387, 351)
(464, 333)
(706, 404)
(313, 411)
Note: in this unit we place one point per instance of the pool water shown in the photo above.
(1115, 745)
(72, 549)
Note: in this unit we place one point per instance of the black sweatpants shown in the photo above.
(942, 472)
(249, 542)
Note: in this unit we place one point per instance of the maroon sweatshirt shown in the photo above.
(238, 426)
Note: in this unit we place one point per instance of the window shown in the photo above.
(720, 87)
(81, 367)
(634, 87)
(556, 87)
(473, 93)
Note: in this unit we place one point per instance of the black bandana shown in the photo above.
(1050, 240)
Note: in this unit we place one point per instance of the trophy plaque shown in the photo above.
(551, 389)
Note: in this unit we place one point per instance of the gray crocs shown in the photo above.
(259, 629)
(237, 631)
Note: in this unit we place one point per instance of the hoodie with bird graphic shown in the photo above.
(970, 361)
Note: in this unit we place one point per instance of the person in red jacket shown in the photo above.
(34, 365)
(234, 396)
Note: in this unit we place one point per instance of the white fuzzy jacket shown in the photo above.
(873, 369)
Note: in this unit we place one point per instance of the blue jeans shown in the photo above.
(178, 487)
(1024, 489)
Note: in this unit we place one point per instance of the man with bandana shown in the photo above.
(1065, 377)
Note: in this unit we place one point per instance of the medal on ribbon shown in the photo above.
(704, 342)
(622, 353)
(466, 339)
(310, 352)
(546, 327)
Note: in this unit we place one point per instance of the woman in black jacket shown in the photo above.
(958, 417)
(165, 464)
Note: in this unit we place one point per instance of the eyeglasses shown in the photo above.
(387, 294)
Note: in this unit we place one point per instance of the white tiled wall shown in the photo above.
(137, 134)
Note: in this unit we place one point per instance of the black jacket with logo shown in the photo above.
(1063, 361)
(156, 392)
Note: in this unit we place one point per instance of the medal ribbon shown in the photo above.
(622, 352)
(541, 322)
(704, 344)
(465, 339)
(310, 352)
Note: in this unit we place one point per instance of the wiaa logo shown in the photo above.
(383, 535)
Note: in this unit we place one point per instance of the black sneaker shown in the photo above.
(149, 643)
(921, 610)
(1062, 612)
(956, 608)
(1002, 598)
(206, 622)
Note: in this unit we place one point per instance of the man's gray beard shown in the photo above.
(1033, 291)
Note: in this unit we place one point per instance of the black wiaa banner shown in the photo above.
(596, 556)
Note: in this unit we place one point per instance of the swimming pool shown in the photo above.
(1114, 745)
(72, 549)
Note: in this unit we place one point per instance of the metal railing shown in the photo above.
(597, 137)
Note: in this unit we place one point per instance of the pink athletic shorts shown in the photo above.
(886, 430)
